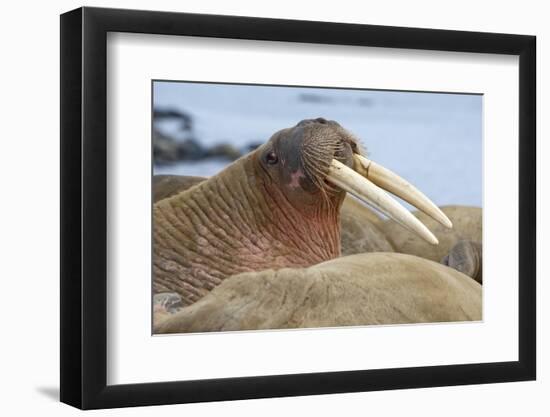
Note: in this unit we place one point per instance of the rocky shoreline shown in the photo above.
(168, 149)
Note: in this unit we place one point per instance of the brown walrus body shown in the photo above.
(362, 289)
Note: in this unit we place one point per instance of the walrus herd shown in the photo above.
(276, 241)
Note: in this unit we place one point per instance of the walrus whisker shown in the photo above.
(316, 155)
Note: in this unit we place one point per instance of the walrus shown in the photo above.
(276, 207)
(356, 290)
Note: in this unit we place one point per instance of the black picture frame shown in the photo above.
(84, 207)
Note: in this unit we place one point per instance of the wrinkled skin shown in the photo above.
(364, 231)
(363, 289)
(165, 186)
(270, 209)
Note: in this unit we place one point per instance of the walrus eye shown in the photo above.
(271, 158)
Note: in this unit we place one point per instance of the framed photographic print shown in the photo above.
(257, 207)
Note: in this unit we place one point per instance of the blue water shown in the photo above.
(433, 140)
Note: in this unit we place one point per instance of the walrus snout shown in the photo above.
(323, 141)
(334, 132)
(320, 120)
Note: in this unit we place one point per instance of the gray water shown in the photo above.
(433, 140)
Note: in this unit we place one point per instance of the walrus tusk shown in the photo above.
(362, 188)
(400, 187)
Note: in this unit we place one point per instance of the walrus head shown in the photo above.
(273, 208)
(315, 162)
(297, 160)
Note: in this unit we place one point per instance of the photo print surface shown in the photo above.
(283, 207)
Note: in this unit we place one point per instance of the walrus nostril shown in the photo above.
(320, 120)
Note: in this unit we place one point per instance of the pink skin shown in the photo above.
(295, 178)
